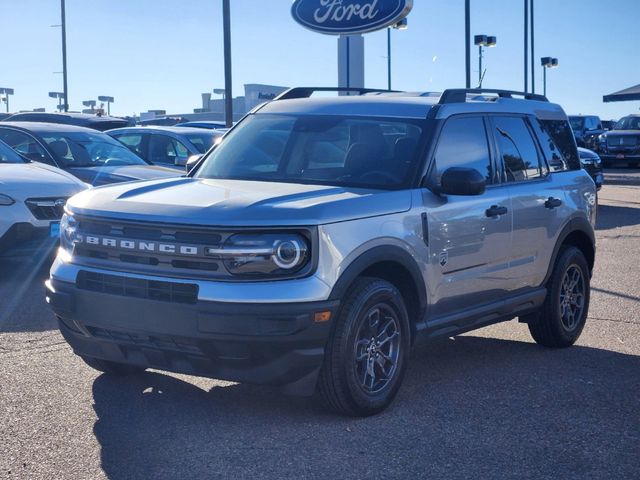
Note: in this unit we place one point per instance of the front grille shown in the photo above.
(137, 287)
(153, 262)
(622, 141)
(46, 208)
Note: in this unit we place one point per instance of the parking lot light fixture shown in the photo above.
(483, 41)
(60, 96)
(108, 100)
(6, 92)
(547, 62)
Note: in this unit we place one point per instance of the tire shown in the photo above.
(360, 377)
(564, 312)
(112, 368)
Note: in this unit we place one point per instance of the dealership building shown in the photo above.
(213, 108)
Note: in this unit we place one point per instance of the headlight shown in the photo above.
(6, 200)
(273, 254)
(68, 228)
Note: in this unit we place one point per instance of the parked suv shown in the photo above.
(315, 243)
(622, 143)
(586, 129)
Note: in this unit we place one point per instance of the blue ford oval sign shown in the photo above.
(349, 17)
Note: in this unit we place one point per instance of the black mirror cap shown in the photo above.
(191, 162)
(462, 181)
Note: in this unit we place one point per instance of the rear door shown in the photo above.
(469, 236)
(537, 199)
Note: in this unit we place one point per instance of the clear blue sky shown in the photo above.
(152, 54)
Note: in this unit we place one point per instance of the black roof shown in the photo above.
(631, 93)
(43, 127)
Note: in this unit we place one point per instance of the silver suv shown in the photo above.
(323, 234)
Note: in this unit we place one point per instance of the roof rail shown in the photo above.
(459, 95)
(305, 92)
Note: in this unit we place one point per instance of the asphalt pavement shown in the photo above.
(488, 404)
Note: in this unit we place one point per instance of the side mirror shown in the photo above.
(462, 181)
(191, 161)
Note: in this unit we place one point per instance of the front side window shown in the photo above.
(75, 149)
(318, 149)
(463, 143)
(577, 123)
(25, 144)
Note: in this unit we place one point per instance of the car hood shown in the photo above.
(122, 173)
(237, 203)
(28, 180)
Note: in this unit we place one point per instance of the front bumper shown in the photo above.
(612, 158)
(262, 343)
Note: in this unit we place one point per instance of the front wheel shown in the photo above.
(367, 354)
(564, 312)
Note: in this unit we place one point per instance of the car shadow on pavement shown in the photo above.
(611, 216)
(22, 293)
(469, 407)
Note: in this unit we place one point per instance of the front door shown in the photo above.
(469, 236)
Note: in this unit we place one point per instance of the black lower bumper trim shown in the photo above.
(276, 344)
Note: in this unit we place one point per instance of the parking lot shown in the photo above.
(489, 404)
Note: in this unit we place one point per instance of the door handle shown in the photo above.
(552, 203)
(495, 211)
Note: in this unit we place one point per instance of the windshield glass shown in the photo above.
(80, 149)
(325, 150)
(628, 123)
(8, 155)
(202, 141)
(577, 123)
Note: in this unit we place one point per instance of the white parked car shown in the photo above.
(32, 199)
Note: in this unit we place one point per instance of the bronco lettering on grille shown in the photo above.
(136, 245)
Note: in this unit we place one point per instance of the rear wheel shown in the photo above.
(112, 368)
(564, 313)
(366, 356)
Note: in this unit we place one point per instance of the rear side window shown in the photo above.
(463, 143)
(133, 142)
(558, 144)
(518, 150)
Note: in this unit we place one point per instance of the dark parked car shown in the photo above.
(94, 122)
(211, 125)
(590, 161)
(94, 157)
(622, 143)
(167, 146)
(608, 124)
(586, 129)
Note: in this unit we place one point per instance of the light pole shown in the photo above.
(108, 100)
(60, 96)
(228, 98)
(63, 28)
(6, 92)
(482, 41)
(401, 25)
(547, 62)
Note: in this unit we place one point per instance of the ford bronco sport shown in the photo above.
(323, 234)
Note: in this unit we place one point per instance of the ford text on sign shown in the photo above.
(349, 17)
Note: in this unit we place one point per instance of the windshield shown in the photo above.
(80, 149)
(202, 141)
(628, 123)
(325, 150)
(8, 155)
(577, 123)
